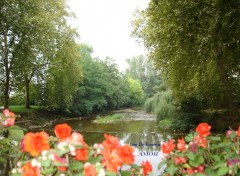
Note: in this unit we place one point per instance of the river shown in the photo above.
(139, 131)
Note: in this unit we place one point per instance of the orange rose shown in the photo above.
(89, 170)
(126, 154)
(200, 141)
(62, 168)
(147, 168)
(181, 144)
(35, 143)
(111, 160)
(82, 153)
(203, 129)
(62, 131)
(180, 160)
(29, 170)
(111, 142)
(168, 147)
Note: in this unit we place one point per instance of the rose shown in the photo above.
(203, 129)
(168, 147)
(62, 131)
(35, 143)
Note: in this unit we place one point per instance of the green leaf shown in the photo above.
(210, 171)
(46, 163)
(199, 174)
(109, 173)
(218, 164)
(76, 166)
(15, 133)
(215, 138)
(126, 173)
(191, 156)
(222, 170)
(136, 167)
(94, 160)
(161, 164)
(196, 161)
(171, 169)
(2, 160)
(49, 171)
(216, 158)
(189, 137)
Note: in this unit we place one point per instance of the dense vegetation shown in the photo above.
(196, 46)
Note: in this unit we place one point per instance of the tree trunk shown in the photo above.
(7, 73)
(27, 95)
(227, 89)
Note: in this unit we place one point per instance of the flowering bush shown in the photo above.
(67, 153)
(201, 154)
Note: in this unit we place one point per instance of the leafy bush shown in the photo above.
(201, 154)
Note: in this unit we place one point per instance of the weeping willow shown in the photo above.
(161, 104)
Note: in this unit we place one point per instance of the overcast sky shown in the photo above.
(106, 26)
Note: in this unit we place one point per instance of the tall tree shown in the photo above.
(143, 69)
(29, 36)
(62, 78)
(196, 44)
(102, 87)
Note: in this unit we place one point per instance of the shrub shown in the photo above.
(201, 154)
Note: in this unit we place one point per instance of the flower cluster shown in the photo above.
(68, 154)
(7, 118)
(201, 154)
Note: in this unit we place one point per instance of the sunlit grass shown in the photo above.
(22, 109)
(109, 118)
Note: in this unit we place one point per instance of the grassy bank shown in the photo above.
(34, 117)
(109, 118)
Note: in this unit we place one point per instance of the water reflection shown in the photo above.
(141, 134)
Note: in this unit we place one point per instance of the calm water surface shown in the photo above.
(140, 131)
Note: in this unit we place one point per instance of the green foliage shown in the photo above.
(103, 87)
(161, 104)
(195, 44)
(136, 92)
(62, 80)
(31, 33)
(142, 69)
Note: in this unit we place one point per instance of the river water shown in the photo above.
(139, 131)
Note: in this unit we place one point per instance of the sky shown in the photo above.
(106, 26)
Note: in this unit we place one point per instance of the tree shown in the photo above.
(30, 33)
(136, 92)
(196, 45)
(62, 78)
(142, 69)
(102, 88)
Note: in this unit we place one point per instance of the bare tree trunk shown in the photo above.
(27, 95)
(7, 73)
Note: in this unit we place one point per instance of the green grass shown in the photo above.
(109, 118)
(21, 109)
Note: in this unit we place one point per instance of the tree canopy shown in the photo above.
(31, 34)
(196, 45)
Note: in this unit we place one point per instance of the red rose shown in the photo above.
(203, 129)
(62, 131)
